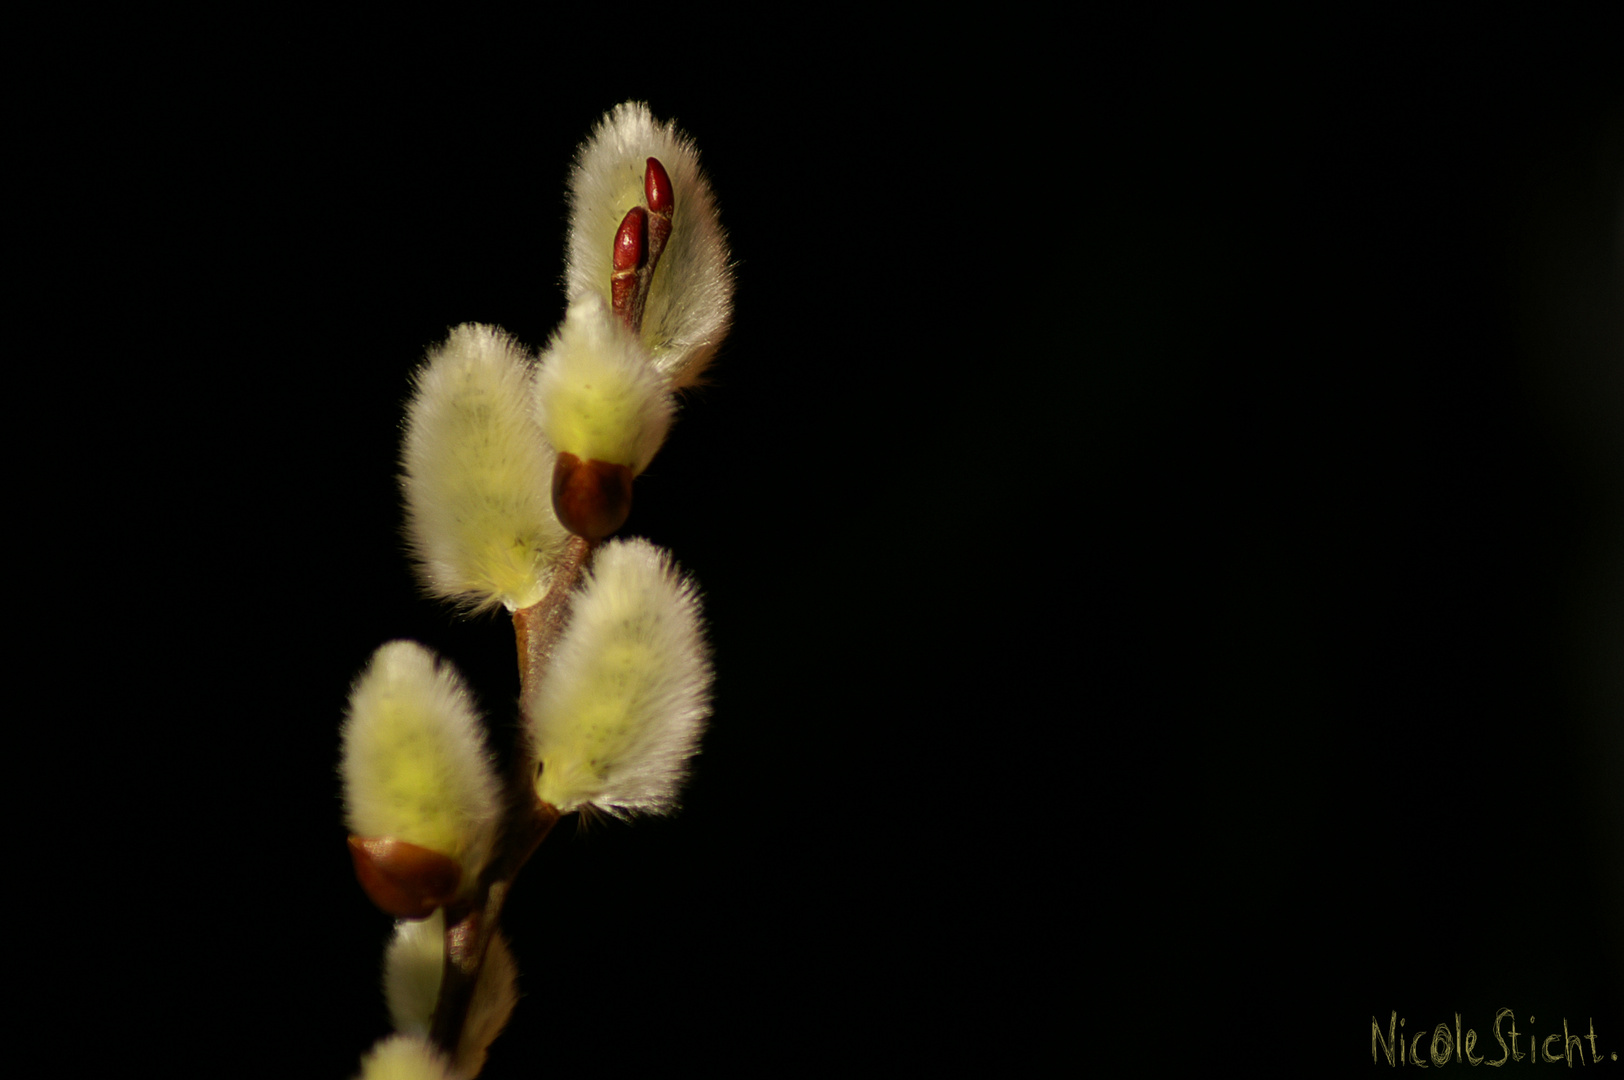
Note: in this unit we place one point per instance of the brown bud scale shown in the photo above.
(404, 880)
(591, 498)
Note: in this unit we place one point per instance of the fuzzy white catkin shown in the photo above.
(477, 475)
(415, 764)
(412, 970)
(598, 395)
(405, 1057)
(626, 698)
(690, 305)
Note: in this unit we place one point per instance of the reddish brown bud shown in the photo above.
(591, 498)
(630, 247)
(404, 880)
(630, 253)
(661, 203)
(657, 187)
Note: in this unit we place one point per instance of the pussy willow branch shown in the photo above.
(468, 925)
(639, 242)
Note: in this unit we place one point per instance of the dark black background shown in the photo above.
(1158, 513)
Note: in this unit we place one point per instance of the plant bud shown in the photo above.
(633, 160)
(421, 796)
(628, 691)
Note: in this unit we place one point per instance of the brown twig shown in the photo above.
(537, 628)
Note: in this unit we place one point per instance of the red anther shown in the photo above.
(631, 243)
(657, 188)
(404, 880)
(591, 498)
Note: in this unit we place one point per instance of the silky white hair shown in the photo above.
(628, 691)
(598, 395)
(690, 303)
(477, 475)
(415, 764)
